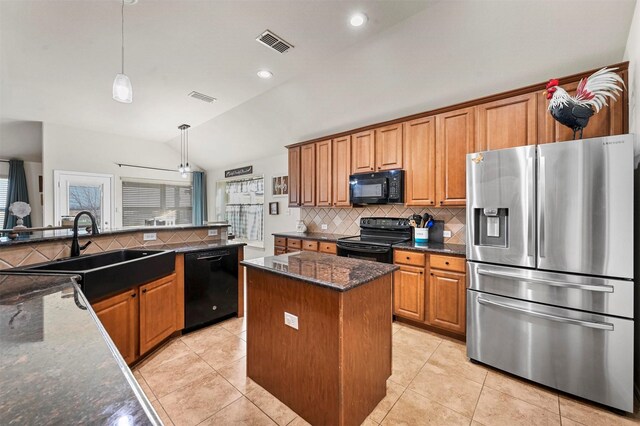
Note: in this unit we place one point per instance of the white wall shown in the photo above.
(72, 149)
(32, 171)
(284, 222)
(632, 54)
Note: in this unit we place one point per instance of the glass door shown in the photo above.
(76, 192)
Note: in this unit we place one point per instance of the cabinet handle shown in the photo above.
(408, 258)
(144, 291)
(133, 295)
(446, 263)
(432, 274)
(421, 272)
(440, 202)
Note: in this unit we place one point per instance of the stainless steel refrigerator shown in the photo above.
(551, 265)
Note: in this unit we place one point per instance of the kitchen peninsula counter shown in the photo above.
(57, 364)
(330, 363)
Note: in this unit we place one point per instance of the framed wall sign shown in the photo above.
(273, 208)
(240, 171)
(280, 186)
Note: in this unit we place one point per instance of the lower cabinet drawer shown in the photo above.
(280, 242)
(291, 243)
(409, 257)
(329, 248)
(447, 263)
(310, 245)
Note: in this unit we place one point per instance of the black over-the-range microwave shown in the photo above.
(377, 188)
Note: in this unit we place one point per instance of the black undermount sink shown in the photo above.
(108, 273)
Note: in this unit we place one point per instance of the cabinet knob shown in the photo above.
(144, 291)
(440, 202)
(421, 272)
(408, 258)
(133, 295)
(446, 263)
(432, 274)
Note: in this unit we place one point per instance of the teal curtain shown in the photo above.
(17, 191)
(199, 203)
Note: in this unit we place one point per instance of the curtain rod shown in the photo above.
(148, 168)
(4, 161)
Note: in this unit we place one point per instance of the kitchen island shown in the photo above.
(319, 333)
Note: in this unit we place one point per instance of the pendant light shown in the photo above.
(184, 167)
(122, 90)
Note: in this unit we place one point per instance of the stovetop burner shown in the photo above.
(381, 231)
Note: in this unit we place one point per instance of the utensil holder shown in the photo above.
(421, 235)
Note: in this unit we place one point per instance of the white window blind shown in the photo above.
(155, 204)
(4, 187)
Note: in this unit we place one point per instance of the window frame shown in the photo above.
(163, 183)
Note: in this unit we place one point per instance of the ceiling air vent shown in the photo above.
(202, 97)
(276, 43)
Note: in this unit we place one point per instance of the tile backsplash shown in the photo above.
(43, 251)
(347, 220)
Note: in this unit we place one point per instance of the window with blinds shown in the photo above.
(4, 187)
(155, 204)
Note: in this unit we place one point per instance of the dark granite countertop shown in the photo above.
(326, 270)
(188, 247)
(57, 364)
(437, 248)
(64, 234)
(316, 236)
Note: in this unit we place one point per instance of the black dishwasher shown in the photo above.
(210, 287)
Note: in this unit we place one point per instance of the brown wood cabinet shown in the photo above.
(309, 245)
(363, 152)
(508, 123)
(294, 177)
(420, 162)
(455, 138)
(341, 171)
(324, 174)
(328, 248)
(408, 292)
(119, 316)
(447, 304)
(158, 301)
(609, 121)
(308, 175)
(389, 147)
(284, 245)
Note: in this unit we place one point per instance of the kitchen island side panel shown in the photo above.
(299, 367)
(367, 314)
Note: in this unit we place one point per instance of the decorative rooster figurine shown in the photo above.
(575, 111)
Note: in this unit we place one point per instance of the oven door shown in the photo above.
(367, 190)
(371, 252)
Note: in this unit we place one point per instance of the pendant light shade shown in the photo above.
(122, 90)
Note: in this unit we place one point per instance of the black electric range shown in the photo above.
(376, 239)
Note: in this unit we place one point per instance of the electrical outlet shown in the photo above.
(213, 232)
(291, 320)
(324, 226)
(446, 234)
(149, 236)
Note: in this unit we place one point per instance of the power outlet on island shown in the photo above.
(212, 232)
(324, 226)
(446, 234)
(149, 236)
(291, 320)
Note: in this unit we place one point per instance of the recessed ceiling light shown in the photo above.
(265, 74)
(358, 19)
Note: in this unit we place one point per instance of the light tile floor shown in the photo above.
(200, 379)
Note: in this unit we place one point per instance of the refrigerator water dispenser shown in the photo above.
(491, 226)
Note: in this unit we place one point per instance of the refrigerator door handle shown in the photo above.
(530, 204)
(590, 324)
(541, 200)
(587, 287)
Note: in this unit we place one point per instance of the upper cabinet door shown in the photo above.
(609, 121)
(389, 147)
(363, 153)
(341, 170)
(308, 174)
(294, 176)
(420, 161)
(508, 123)
(455, 138)
(323, 173)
